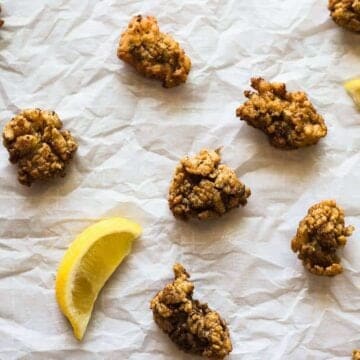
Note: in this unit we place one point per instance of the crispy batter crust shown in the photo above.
(318, 237)
(288, 118)
(203, 188)
(346, 13)
(191, 325)
(36, 143)
(153, 53)
(356, 355)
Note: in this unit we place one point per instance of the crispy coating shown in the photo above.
(287, 118)
(346, 13)
(1, 21)
(153, 54)
(36, 143)
(191, 325)
(204, 188)
(356, 355)
(318, 237)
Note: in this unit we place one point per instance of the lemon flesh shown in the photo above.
(86, 266)
(353, 88)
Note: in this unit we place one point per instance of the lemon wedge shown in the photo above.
(87, 265)
(353, 88)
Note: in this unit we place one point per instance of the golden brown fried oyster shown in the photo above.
(356, 355)
(346, 13)
(153, 53)
(191, 325)
(36, 143)
(318, 237)
(287, 118)
(204, 188)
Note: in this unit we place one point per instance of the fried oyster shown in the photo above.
(287, 118)
(356, 355)
(153, 54)
(204, 188)
(318, 237)
(191, 325)
(346, 13)
(36, 143)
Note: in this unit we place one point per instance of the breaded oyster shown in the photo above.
(153, 54)
(287, 118)
(356, 355)
(346, 13)
(36, 142)
(318, 237)
(204, 188)
(191, 325)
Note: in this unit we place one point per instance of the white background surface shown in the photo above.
(61, 55)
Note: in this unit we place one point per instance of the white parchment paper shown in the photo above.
(61, 55)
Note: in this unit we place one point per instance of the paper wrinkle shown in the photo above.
(61, 55)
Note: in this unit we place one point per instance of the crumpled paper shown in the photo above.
(61, 55)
